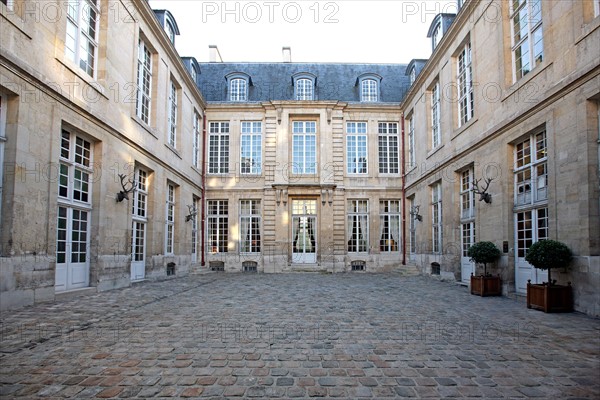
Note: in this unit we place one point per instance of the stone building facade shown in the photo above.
(511, 93)
(122, 161)
(92, 90)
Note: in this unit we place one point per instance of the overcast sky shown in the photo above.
(393, 31)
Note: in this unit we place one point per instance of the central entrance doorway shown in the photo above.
(304, 239)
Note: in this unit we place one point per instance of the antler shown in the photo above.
(483, 194)
(123, 193)
(192, 212)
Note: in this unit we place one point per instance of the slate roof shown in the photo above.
(273, 81)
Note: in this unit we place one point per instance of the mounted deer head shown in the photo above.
(123, 193)
(483, 194)
(192, 213)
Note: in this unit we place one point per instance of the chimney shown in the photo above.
(213, 53)
(287, 54)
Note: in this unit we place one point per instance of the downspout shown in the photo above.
(203, 205)
(403, 195)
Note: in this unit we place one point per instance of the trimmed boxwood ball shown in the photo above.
(483, 253)
(548, 254)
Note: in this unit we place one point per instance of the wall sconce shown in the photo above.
(414, 213)
(123, 194)
(192, 213)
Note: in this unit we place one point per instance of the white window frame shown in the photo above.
(412, 228)
(531, 170)
(304, 137)
(196, 148)
(139, 213)
(467, 196)
(80, 32)
(596, 8)
(3, 113)
(528, 12)
(238, 89)
(195, 203)
(436, 134)
(305, 89)
(389, 148)
(251, 144)
(170, 220)
(218, 148)
(413, 75)
(436, 218)
(172, 131)
(74, 164)
(411, 142)
(359, 218)
(144, 83)
(357, 144)
(466, 105)
(437, 35)
(170, 30)
(369, 90)
(219, 221)
(252, 220)
(389, 239)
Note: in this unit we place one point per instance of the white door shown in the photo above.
(72, 244)
(467, 267)
(530, 226)
(304, 236)
(139, 224)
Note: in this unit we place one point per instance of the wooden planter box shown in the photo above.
(550, 298)
(486, 285)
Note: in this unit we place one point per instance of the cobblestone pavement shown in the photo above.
(296, 336)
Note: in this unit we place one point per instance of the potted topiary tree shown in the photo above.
(548, 296)
(486, 284)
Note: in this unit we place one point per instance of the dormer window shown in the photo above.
(437, 36)
(170, 32)
(304, 86)
(413, 76)
(238, 86)
(369, 87)
(167, 20)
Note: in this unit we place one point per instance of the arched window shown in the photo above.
(369, 85)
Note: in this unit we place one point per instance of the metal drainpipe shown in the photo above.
(203, 175)
(403, 196)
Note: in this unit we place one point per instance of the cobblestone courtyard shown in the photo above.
(297, 336)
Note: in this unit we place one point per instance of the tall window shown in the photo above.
(144, 82)
(250, 226)
(173, 115)
(304, 89)
(251, 148)
(413, 75)
(527, 35)
(356, 147)
(531, 170)
(412, 228)
(436, 217)
(411, 142)
(369, 90)
(218, 229)
(74, 198)
(197, 141)
(170, 31)
(3, 106)
(389, 225)
(195, 201)
(218, 148)
(140, 214)
(465, 86)
(304, 147)
(467, 197)
(436, 135)
(238, 90)
(358, 226)
(170, 219)
(389, 159)
(81, 42)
